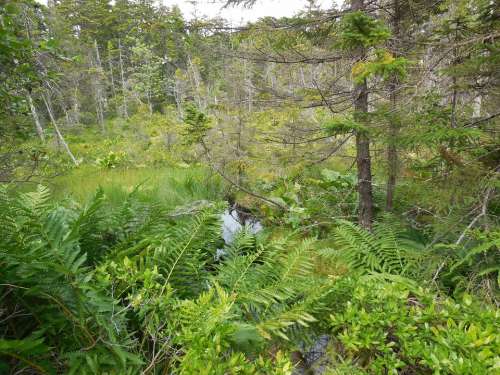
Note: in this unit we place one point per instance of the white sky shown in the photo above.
(238, 15)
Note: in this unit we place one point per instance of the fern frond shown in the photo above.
(35, 203)
(377, 251)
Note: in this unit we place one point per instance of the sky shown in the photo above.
(240, 15)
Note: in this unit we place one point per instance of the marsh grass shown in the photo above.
(170, 186)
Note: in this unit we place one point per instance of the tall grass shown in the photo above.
(170, 186)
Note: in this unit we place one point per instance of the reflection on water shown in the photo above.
(233, 221)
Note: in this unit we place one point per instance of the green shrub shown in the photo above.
(391, 326)
(112, 159)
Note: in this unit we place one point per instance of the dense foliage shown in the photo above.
(90, 291)
(363, 138)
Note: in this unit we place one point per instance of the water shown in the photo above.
(233, 221)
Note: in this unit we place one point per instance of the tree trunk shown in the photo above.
(363, 159)
(454, 95)
(98, 99)
(196, 80)
(239, 153)
(38, 125)
(178, 96)
(476, 106)
(76, 106)
(111, 74)
(122, 75)
(60, 137)
(101, 101)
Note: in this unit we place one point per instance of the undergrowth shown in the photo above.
(137, 287)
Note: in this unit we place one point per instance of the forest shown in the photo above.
(314, 194)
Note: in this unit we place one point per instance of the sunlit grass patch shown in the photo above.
(170, 186)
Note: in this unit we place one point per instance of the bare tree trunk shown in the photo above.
(178, 96)
(98, 102)
(98, 90)
(248, 82)
(122, 75)
(76, 106)
(302, 78)
(239, 153)
(149, 90)
(363, 159)
(454, 95)
(453, 119)
(60, 137)
(197, 84)
(476, 106)
(150, 103)
(38, 125)
(111, 75)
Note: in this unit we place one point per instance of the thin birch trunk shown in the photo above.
(38, 125)
(110, 65)
(178, 95)
(122, 75)
(476, 106)
(60, 137)
(248, 79)
(197, 84)
(76, 106)
(99, 96)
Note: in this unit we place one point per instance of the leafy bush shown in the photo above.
(316, 198)
(112, 159)
(392, 326)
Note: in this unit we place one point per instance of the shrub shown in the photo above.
(112, 159)
(391, 326)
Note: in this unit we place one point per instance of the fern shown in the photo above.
(475, 267)
(46, 269)
(30, 351)
(488, 248)
(121, 291)
(377, 251)
(180, 251)
(274, 287)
